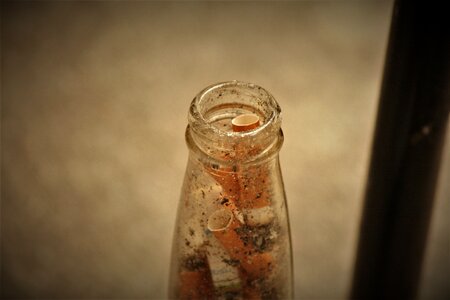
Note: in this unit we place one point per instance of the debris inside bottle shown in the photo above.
(195, 278)
(224, 270)
(237, 258)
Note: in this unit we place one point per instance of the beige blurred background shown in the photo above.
(94, 105)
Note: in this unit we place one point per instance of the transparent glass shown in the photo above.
(232, 238)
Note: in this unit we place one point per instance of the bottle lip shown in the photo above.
(228, 98)
(199, 122)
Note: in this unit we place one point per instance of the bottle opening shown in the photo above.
(231, 115)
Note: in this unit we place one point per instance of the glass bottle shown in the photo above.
(232, 238)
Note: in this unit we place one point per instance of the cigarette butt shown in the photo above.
(227, 178)
(245, 122)
(225, 275)
(196, 285)
(246, 189)
(223, 225)
(229, 182)
(254, 200)
(245, 193)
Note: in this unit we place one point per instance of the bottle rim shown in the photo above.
(259, 142)
(199, 122)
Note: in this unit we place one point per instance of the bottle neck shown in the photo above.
(210, 131)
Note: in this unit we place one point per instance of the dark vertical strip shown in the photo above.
(409, 135)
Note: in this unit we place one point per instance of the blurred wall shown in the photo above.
(94, 104)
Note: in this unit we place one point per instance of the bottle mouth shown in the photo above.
(212, 121)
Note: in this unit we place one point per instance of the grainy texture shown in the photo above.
(94, 104)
